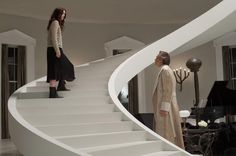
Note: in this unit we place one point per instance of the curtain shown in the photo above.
(21, 67)
(5, 92)
(226, 53)
(133, 96)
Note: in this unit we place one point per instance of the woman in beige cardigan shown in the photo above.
(167, 122)
(59, 67)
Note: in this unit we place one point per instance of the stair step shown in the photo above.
(90, 75)
(109, 127)
(33, 95)
(93, 70)
(63, 102)
(75, 93)
(166, 153)
(100, 77)
(130, 149)
(67, 94)
(103, 78)
(84, 141)
(40, 120)
(77, 83)
(79, 109)
(72, 89)
(90, 84)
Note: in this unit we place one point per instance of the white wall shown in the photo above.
(206, 75)
(82, 42)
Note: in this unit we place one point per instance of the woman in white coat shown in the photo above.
(167, 121)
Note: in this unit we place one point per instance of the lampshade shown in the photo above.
(184, 113)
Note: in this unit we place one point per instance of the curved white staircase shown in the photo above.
(90, 120)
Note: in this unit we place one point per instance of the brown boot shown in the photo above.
(53, 93)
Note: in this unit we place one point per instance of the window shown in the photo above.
(12, 68)
(229, 62)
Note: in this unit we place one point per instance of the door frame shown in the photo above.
(16, 37)
(123, 43)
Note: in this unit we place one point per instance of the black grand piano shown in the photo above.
(221, 102)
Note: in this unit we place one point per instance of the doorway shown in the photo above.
(13, 76)
(128, 96)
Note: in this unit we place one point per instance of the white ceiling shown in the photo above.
(112, 11)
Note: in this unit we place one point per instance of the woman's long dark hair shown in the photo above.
(56, 15)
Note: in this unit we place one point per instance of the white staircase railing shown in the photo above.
(90, 120)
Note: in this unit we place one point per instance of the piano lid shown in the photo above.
(221, 96)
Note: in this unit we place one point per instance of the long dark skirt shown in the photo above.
(59, 68)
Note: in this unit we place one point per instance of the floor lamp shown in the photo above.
(194, 64)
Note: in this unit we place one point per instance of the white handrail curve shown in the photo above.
(212, 24)
(22, 131)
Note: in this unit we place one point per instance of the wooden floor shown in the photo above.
(7, 148)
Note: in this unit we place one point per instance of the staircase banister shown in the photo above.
(212, 24)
